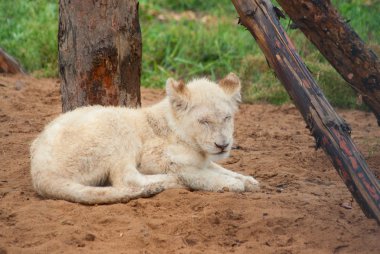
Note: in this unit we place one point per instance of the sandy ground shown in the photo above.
(300, 209)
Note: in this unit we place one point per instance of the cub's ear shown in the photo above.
(231, 86)
(178, 93)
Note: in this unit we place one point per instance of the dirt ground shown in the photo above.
(303, 206)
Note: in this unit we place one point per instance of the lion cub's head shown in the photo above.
(203, 113)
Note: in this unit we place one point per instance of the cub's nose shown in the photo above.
(221, 146)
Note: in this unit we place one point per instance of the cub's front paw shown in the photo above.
(234, 185)
(250, 183)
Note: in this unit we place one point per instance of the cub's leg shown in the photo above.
(209, 180)
(250, 183)
(130, 176)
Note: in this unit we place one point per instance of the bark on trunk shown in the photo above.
(330, 131)
(341, 46)
(99, 53)
(8, 64)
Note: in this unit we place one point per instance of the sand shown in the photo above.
(303, 206)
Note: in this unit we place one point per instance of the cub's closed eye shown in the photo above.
(203, 121)
(227, 118)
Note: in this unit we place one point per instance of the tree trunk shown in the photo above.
(99, 53)
(330, 131)
(8, 64)
(341, 46)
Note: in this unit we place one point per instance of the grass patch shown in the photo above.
(259, 82)
(29, 32)
(184, 39)
(186, 48)
(363, 16)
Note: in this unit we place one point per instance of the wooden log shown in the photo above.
(8, 64)
(340, 45)
(331, 132)
(99, 53)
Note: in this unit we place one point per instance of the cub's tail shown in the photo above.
(66, 189)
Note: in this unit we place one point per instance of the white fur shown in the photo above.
(102, 154)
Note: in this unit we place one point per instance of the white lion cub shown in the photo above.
(96, 154)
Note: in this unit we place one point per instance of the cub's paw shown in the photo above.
(152, 189)
(234, 185)
(250, 184)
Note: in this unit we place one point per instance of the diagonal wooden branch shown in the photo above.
(330, 131)
(340, 45)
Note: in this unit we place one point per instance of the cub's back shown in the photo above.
(86, 130)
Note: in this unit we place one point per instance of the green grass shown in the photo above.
(188, 48)
(185, 39)
(363, 16)
(29, 32)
